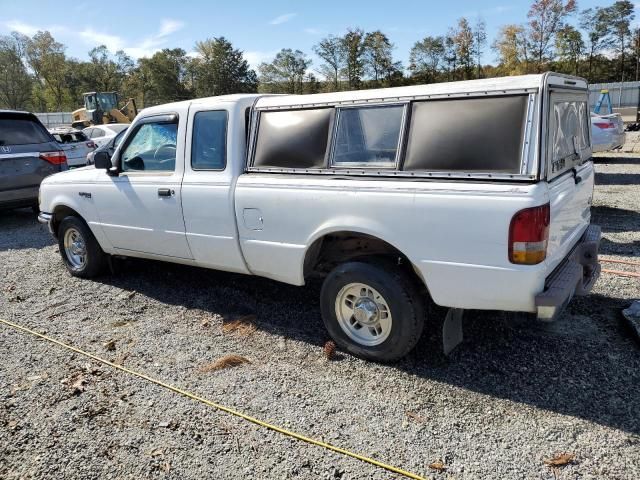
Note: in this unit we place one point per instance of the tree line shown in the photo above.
(597, 43)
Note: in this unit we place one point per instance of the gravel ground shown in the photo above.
(512, 395)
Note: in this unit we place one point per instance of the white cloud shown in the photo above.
(169, 26)
(92, 37)
(144, 48)
(29, 29)
(283, 18)
(255, 58)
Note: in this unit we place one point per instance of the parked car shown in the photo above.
(75, 144)
(607, 132)
(488, 208)
(101, 134)
(28, 153)
(109, 147)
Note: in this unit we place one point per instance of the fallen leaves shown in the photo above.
(329, 350)
(243, 326)
(438, 465)
(77, 383)
(224, 362)
(560, 459)
(415, 416)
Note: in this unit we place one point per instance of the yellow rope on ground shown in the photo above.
(228, 410)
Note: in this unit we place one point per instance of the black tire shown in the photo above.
(400, 292)
(95, 259)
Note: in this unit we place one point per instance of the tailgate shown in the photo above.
(570, 173)
(22, 167)
(570, 211)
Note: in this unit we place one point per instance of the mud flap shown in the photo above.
(452, 330)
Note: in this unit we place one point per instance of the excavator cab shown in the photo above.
(99, 103)
(102, 107)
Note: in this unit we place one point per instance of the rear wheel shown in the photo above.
(373, 310)
(80, 250)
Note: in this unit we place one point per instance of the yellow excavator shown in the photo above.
(102, 107)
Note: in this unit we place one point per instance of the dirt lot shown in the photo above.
(513, 394)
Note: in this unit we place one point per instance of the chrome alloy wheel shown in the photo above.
(363, 314)
(75, 248)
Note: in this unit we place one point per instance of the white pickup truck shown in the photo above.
(471, 195)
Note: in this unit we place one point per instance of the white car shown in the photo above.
(607, 132)
(488, 208)
(75, 144)
(101, 134)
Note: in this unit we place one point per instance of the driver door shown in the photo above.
(140, 210)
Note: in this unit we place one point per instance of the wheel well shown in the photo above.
(338, 247)
(59, 213)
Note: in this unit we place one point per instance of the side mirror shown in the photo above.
(102, 160)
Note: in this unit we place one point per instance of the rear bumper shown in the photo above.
(576, 275)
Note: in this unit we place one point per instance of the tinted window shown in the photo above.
(469, 134)
(152, 148)
(208, 146)
(21, 131)
(293, 138)
(368, 135)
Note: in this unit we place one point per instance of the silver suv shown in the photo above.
(28, 153)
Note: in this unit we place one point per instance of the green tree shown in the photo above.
(479, 42)
(106, 73)
(464, 47)
(353, 51)
(330, 50)
(47, 59)
(569, 47)
(161, 78)
(220, 69)
(451, 54)
(595, 24)
(619, 16)
(546, 17)
(511, 47)
(15, 81)
(285, 73)
(426, 59)
(378, 57)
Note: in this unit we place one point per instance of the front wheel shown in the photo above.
(373, 310)
(80, 250)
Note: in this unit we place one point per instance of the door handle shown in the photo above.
(165, 192)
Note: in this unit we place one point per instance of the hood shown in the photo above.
(77, 175)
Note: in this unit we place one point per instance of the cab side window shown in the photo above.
(208, 145)
(151, 148)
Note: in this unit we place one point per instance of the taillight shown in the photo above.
(529, 234)
(91, 145)
(54, 158)
(604, 125)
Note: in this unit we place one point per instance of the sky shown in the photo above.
(258, 28)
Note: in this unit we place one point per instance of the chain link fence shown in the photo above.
(55, 119)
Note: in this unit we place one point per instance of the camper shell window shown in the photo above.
(293, 138)
(467, 135)
(368, 136)
(570, 123)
